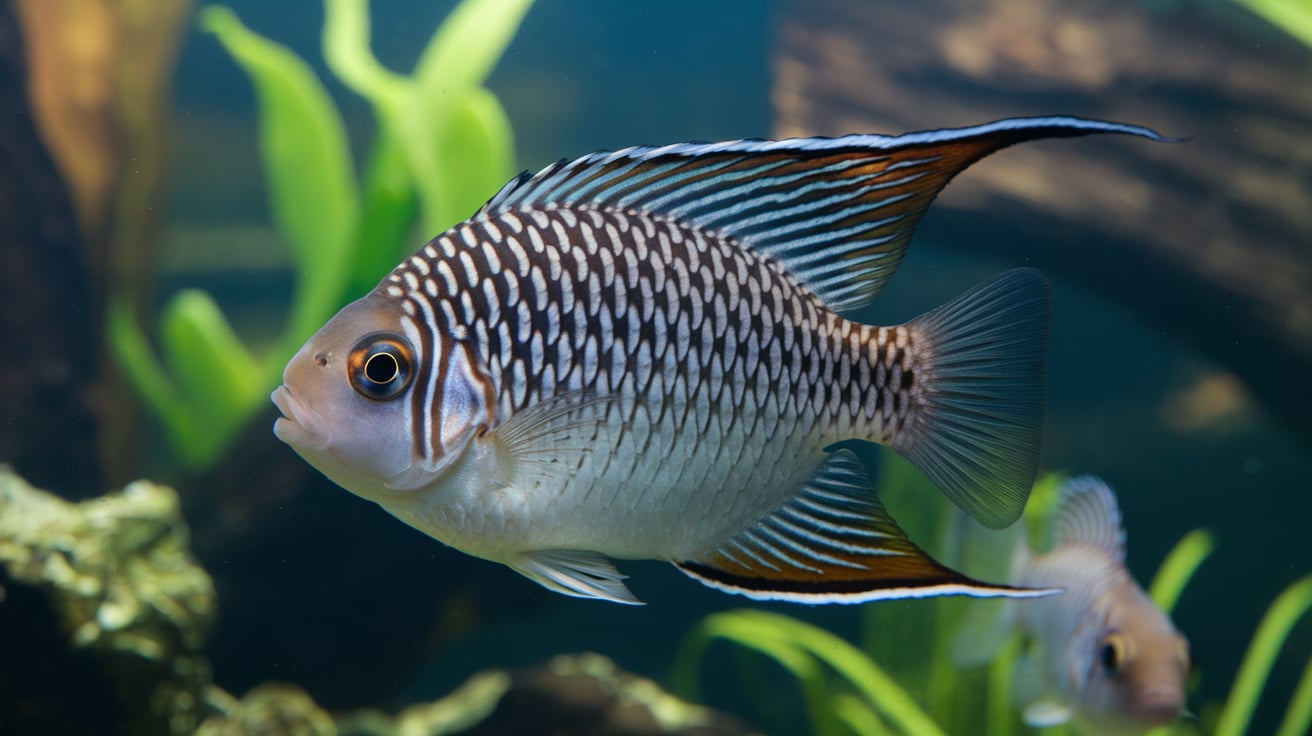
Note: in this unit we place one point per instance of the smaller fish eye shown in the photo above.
(1112, 653)
(380, 366)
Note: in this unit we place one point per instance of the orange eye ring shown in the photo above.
(381, 366)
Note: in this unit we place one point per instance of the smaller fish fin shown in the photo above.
(1087, 514)
(988, 554)
(838, 213)
(983, 632)
(1034, 692)
(574, 573)
(981, 388)
(1045, 713)
(833, 542)
(548, 441)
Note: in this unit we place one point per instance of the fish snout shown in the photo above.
(1158, 706)
(296, 426)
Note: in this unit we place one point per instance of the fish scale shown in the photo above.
(683, 337)
(642, 354)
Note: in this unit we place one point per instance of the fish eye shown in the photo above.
(380, 366)
(1111, 653)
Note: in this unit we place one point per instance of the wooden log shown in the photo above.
(1210, 240)
(49, 313)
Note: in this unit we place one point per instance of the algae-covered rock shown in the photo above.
(103, 613)
(579, 695)
(273, 709)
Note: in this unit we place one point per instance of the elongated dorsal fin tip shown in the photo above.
(837, 213)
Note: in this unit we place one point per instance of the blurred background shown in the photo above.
(1182, 276)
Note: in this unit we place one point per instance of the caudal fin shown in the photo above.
(980, 394)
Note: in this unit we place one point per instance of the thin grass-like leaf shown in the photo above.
(1179, 567)
(1000, 706)
(1292, 16)
(858, 716)
(738, 629)
(862, 674)
(1298, 717)
(1271, 633)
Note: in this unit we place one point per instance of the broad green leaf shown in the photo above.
(457, 59)
(307, 161)
(218, 378)
(346, 49)
(468, 44)
(142, 369)
(391, 206)
(475, 156)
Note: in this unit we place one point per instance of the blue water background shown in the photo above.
(582, 76)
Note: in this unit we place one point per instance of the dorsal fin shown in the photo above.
(837, 212)
(833, 542)
(1088, 515)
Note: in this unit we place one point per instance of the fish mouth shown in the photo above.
(1159, 706)
(295, 426)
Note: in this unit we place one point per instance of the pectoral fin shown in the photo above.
(833, 542)
(549, 441)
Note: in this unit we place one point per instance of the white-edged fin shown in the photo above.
(1045, 714)
(979, 393)
(548, 441)
(837, 212)
(1087, 514)
(833, 542)
(574, 573)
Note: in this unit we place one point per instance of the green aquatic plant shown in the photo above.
(1290, 606)
(874, 704)
(443, 145)
(1292, 16)
(920, 690)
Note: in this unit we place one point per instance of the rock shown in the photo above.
(273, 709)
(103, 614)
(578, 695)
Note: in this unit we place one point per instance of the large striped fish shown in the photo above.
(641, 354)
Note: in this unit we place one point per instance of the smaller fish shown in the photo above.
(1104, 657)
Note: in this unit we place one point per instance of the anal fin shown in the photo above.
(833, 542)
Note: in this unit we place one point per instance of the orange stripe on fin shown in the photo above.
(833, 543)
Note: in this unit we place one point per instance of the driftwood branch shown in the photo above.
(1210, 239)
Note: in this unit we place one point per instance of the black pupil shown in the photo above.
(381, 368)
(1109, 657)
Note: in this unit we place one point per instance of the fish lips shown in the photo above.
(1159, 706)
(296, 426)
